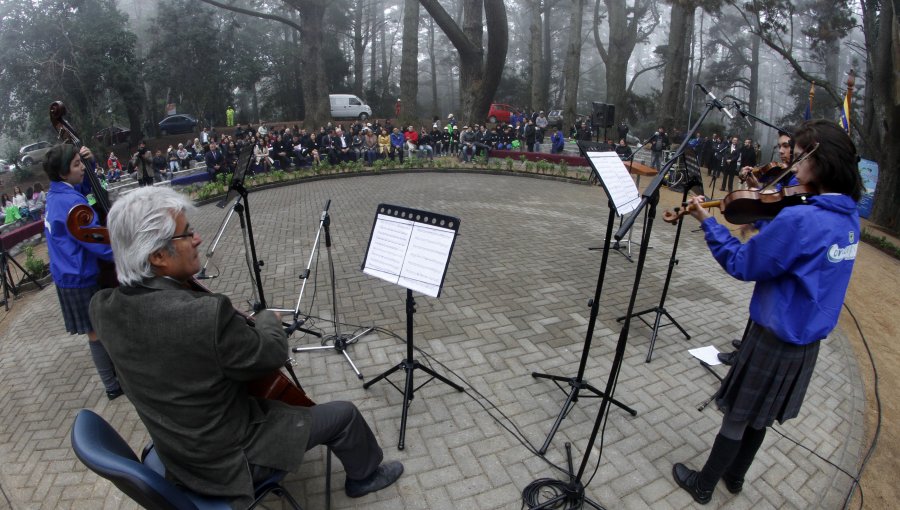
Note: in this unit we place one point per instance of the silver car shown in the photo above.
(33, 153)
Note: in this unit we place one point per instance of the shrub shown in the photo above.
(37, 267)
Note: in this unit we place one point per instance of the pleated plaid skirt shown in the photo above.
(768, 381)
(75, 304)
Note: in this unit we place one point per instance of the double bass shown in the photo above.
(80, 224)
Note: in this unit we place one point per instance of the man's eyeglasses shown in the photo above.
(189, 234)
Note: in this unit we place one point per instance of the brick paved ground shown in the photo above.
(514, 301)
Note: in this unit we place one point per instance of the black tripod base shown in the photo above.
(341, 342)
(577, 385)
(409, 366)
(568, 494)
(659, 311)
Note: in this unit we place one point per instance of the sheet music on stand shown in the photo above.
(411, 248)
(614, 177)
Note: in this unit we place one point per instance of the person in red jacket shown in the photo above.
(412, 139)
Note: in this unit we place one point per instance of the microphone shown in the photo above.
(715, 101)
(736, 104)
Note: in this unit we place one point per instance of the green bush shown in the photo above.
(37, 267)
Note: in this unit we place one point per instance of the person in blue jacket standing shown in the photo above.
(73, 264)
(801, 263)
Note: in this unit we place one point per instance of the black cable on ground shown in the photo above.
(875, 437)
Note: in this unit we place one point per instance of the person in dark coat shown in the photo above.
(185, 357)
(730, 155)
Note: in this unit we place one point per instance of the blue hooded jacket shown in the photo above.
(801, 263)
(73, 264)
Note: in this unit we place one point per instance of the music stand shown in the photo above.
(6, 277)
(623, 198)
(573, 493)
(693, 179)
(410, 248)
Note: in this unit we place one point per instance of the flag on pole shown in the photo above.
(845, 108)
(845, 113)
(807, 115)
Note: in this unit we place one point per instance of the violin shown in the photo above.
(747, 206)
(763, 172)
(274, 386)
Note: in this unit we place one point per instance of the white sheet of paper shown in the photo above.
(708, 355)
(410, 254)
(617, 181)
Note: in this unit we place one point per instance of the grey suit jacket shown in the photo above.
(183, 359)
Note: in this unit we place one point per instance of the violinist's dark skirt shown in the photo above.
(768, 380)
(74, 304)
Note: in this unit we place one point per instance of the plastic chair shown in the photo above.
(103, 451)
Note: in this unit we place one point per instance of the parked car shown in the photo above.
(349, 106)
(6, 166)
(179, 123)
(33, 152)
(555, 118)
(113, 135)
(500, 113)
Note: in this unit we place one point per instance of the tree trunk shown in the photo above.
(359, 49)
(833, 69)
(374, 32)
(537, 74)
(885, 53)
(385, 69)
(675, 76)
(621, 44)
(479, 70)
(435, 107)
(409, 65)
(546, 64)
(571, 69)
(315, 90)
(753, 98)
(312, 80)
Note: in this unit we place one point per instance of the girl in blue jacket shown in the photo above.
(73, 264)
(801, 263)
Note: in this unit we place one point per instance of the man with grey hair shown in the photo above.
(185, 357)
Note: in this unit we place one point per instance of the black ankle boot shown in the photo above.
(734, 485)
(750, 443)
(689, 480)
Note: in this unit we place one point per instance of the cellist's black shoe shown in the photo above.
(114, 394)
(734, 485)
(689, 480)
(727, 358)
(384, 475)
(736, 343)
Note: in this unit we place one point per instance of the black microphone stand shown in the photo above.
(341, 341)
(660, 308)
(574, 493)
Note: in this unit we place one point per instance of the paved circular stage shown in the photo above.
(514, 301)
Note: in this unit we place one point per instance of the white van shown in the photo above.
(349, 106)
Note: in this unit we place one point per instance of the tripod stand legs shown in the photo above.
(341, 343)
(577, 386)
(409, 390)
